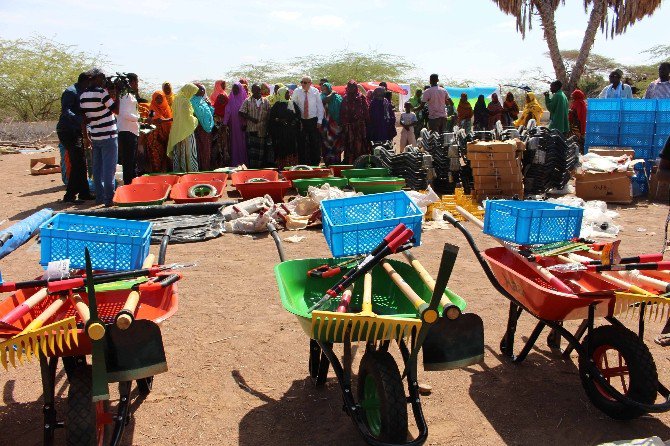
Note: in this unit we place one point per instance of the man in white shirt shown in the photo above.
(308, 100)
(129, 128)
(660, 88)
(616, 89)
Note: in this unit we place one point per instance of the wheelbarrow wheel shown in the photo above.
(86, 423)
(625, 362)
(382, 398)
(145, 385)
(318, 364)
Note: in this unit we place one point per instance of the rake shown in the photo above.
(365, 326)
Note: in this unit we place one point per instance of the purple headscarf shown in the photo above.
(235, 102)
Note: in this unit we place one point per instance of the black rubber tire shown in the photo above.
(80, 410)
(145, 385)
(367, 161)
(643, 377)
(211, 191)
(318, 364)
(381, 366)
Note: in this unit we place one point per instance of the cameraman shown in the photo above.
(128, 124)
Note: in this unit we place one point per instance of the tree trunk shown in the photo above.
(547, 16)
(597, 13)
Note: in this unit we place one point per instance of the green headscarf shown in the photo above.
(335, 103)
(184, 122)
(281, 97)
(275, 97)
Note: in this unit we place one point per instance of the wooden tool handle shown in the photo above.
(425, 276)
(21, 310)
(407, 290)
(149, 261)
(82, 308)
(125, 317)
(571, 258)
(367, 293)
(345, 300)
(47, 314)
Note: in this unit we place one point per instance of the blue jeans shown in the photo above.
(105, 154)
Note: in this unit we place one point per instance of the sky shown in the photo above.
(182, 41)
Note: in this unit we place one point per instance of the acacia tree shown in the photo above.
(612, 17)
(33, 74)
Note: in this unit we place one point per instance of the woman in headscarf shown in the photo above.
(245, 84)
(330, 129)
(275, 96)
(219, 87)
(532, 110)
(169, 94)
(353, 122)
(204, 111)
(577, 116)
(265, 90)
(284, 128)
(382, 118)
(236, 125)
(155, 142)
(451, 115)
(181, 144)
(220, 146)
(495, 109)
(464, 113)
(481, 114)
(510, 110)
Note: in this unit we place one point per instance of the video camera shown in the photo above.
(121, 83)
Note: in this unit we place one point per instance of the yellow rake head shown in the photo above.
(368, 327)
(31, 343)
(629, 305)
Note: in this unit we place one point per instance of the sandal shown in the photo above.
(663, 340)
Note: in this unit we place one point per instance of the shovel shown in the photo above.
(95, 330)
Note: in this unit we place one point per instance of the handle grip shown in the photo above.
(400, 240)
(126, 316)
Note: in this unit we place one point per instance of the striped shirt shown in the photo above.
(658, 90)
(97, 106)
(258, 109)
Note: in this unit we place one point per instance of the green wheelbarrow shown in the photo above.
(380, 313)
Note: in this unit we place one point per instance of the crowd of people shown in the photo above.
(262, 126)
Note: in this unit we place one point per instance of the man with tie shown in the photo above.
(308, 100)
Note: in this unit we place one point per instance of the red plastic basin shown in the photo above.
(275, 189)
(156, 179)
(141, 194)
(179, 192)
(243, 176)
(204, 177)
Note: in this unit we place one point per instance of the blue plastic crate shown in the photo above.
(659, 143)
(114, 244)
(645, 153)
(639, 140)
(356, 225)
(648, 117)
(531, 222)
(601, 139)
(641, 105)
(603, 104)
(637, 128)
(663, 105)
(609, 128)
(663, 117)
(609, 116)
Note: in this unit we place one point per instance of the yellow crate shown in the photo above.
(449, 202)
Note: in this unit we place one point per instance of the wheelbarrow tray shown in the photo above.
(179, 192)
(299, 292)
(300, 174)
(204, 177)
(543, 300)
(156, 179)
(275, 189)
(302, 185)
(155, 306)
(242, 176)
(142, 194)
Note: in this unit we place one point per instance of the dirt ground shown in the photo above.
(238, 361)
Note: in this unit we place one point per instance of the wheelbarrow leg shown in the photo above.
(554, 339)
(48, 372)
(122, 417)
(414, 397)
(318, 363)
(578, 335)
(507, 342)
(531, 341)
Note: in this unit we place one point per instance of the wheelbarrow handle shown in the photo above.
(126, 316)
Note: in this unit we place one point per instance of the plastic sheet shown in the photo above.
(22, 231)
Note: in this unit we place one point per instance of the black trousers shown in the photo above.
(77, 183)
(127, 155)
(309, 146)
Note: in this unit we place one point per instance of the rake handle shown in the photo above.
(367, 293)
(126, 316)
(407, 290)
(82, 308)
(21, 310)
(426, 277)
(47, 314)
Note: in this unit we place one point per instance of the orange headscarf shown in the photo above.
(161, 110)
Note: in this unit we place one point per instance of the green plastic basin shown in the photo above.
(302, 184)
(375, 185)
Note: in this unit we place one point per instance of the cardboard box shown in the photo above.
(495, 156)
(492, 147)
(502, 164)
(613, 151)
(614, 187)
(44, 166)
(498, 171)
(658, 192)
(483, 181)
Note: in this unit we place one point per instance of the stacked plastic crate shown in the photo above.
(662, 129)
(602, 122)
(637, 126)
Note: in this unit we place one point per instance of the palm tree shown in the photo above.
(612, 17)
